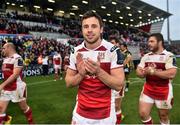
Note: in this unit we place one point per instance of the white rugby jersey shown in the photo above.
(9, 63)
(57, 60)
(94, 98)
(155, 87)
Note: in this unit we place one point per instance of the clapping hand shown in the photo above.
(80, 64)
(91, 66)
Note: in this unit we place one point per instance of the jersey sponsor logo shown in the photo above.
(147, 59)
(161, 58)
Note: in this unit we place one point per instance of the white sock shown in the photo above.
(168, 123)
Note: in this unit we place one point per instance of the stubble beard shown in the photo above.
(91, 42)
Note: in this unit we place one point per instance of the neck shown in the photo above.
(94, 45)
(11, 53)
(160, 50)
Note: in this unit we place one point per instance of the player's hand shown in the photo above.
(92, 67)
(80, 65)
(149, 70)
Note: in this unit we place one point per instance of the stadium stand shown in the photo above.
(10, 25)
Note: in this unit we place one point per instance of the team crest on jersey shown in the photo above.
(101, 55)
(148, 58)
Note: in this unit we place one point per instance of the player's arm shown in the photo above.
(166, 74)
(18, 66)
(114, 80)
(12, 78)
(170, 71)
(140, 68)
(73, 78)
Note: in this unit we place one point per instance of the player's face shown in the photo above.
(5, 50)
(113, 42)
(122, 48)
(91, 30)
(153, 44)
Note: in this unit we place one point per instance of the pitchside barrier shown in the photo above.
(33, 71)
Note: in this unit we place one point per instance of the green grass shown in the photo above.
(53, 103)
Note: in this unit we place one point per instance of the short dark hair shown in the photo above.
(89, 14)
(115, 39)
(159, 37)
(124, 44)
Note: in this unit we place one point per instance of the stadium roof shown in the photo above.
(125, 12)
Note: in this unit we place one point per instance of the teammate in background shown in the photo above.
(118, 94)
(96, 70)
(66, 63)
(13, 88)
(159, 68)
(57, 61)
(127, 63)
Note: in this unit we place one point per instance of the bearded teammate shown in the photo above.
(57, 61)
(159, 68)
(96, 72)
(13, 88)
(118, 94)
